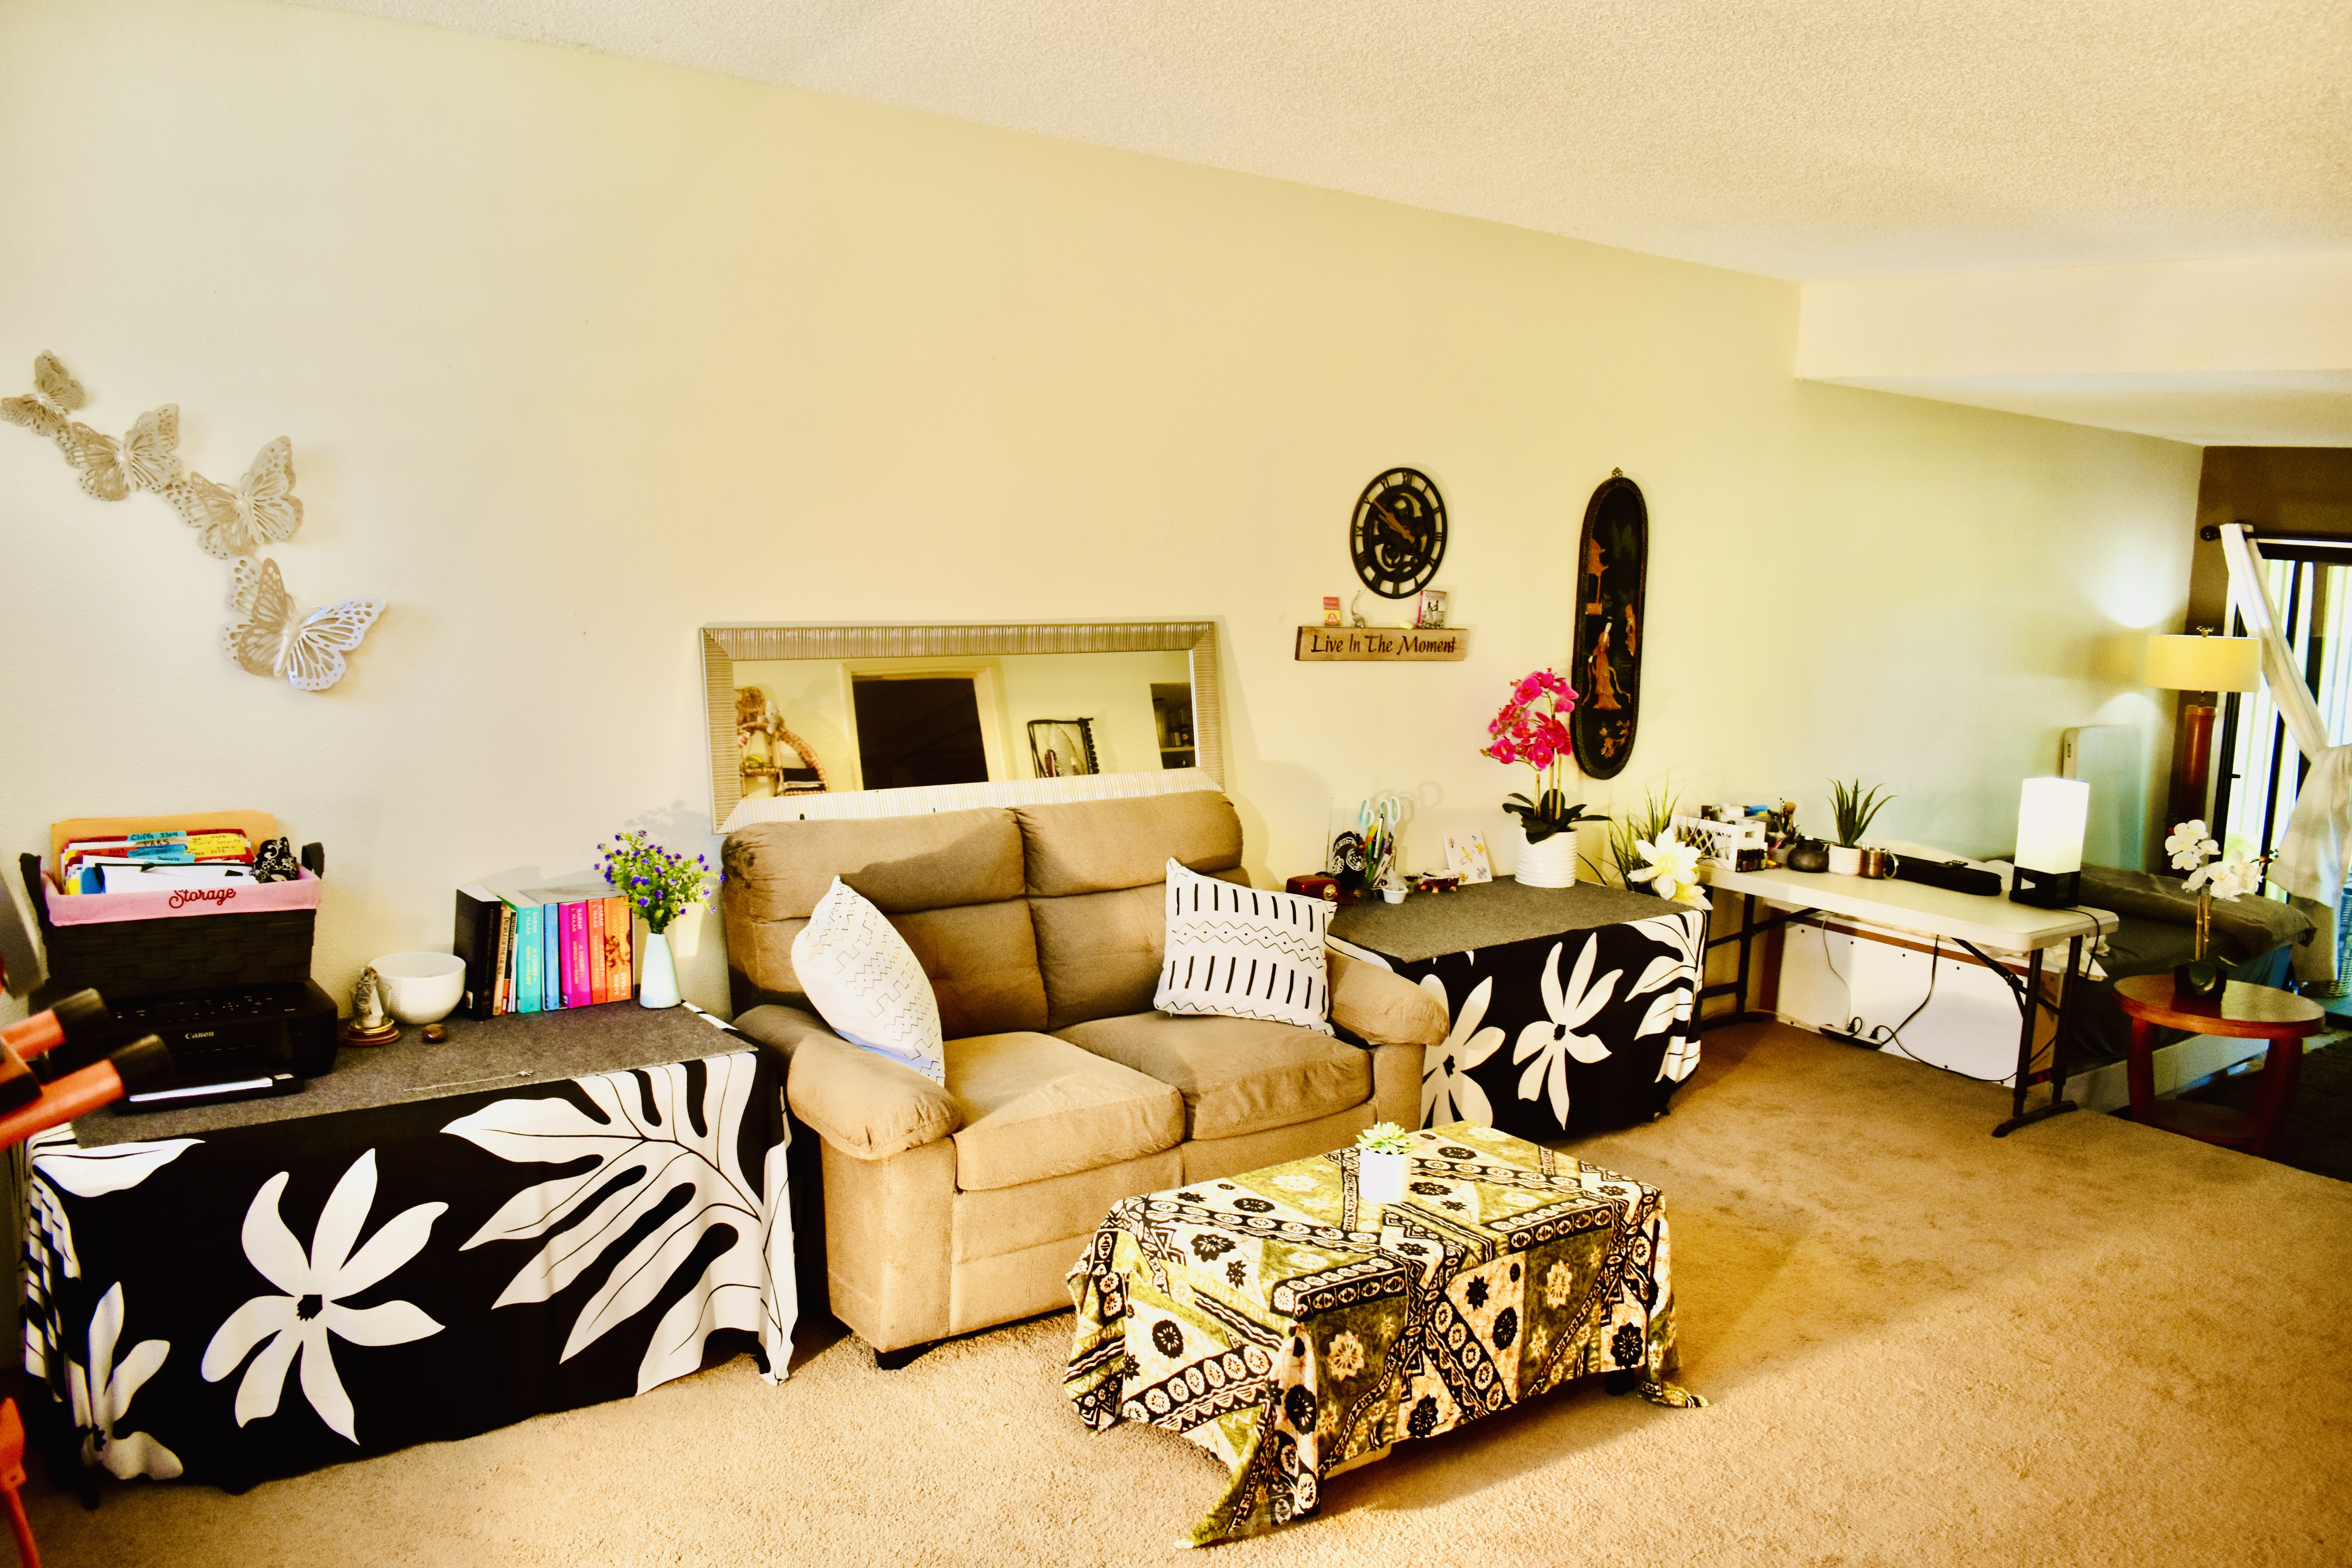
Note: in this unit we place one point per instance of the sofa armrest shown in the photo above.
(861, 1103)
(1380, 1008)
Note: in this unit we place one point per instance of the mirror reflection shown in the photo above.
(810, 724)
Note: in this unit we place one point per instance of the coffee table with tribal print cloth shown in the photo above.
(1294, 1332)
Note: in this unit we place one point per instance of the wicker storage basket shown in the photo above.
(204, 949)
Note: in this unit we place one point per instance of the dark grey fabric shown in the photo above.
(1487, 914)
(2254, 924)
(481, 1054)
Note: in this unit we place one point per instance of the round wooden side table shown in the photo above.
(2242, 1012)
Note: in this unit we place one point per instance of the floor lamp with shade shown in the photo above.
(2198, 666)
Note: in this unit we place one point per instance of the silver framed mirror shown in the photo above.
(808, 707)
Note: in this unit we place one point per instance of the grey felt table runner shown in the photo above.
(510, 1051)
(1487, 914)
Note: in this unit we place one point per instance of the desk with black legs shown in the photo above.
(1975, 922)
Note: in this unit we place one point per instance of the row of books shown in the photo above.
(541, 948)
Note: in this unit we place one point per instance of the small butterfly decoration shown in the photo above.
(233, 522)
(271, 636)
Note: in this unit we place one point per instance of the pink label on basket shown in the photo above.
(180, 903)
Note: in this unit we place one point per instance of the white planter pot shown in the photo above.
(657, 983)
(1845, 859)
(1550, 864)
(1379, 1178)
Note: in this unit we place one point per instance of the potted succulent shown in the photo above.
(2191, 848)
(1383, 1160)
(1853, 811)
(1532, 727)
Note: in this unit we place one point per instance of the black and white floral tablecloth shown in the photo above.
(265, 1300)
(1583, 1027)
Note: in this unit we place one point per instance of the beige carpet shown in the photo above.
(2089, 1342)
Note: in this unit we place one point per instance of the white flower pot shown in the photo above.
(1845, 859)
(1379, 1178)
(1550, 864)
(657, 983)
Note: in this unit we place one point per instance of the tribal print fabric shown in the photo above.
(1276, 1320)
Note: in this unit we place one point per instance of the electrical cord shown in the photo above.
(1881, 1038)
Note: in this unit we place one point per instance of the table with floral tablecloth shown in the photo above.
(1291, 1330)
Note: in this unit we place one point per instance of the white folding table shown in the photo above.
(1975, 922)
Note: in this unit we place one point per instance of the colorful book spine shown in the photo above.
(474, 938)
(550, 958)
(530, 995)
(503, 999)
(620, 931)
(600, 977)
(577, 993)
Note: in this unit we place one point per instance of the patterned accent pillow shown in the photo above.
(1237, 953)
(864, 981)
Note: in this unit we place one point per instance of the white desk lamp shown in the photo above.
(2051, 816)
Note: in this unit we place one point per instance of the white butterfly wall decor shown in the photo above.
(55, 394)
(271, 636)
(260, 509)
(146, 459)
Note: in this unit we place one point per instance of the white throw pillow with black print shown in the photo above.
(1236, 952)
(863, 978)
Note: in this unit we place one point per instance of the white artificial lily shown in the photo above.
(2191, 845)
(311, 1315)
(1672, 871)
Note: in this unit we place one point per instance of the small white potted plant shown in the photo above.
(1383, 1160)
(1853, 810)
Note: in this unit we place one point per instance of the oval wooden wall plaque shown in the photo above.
(1612, 562)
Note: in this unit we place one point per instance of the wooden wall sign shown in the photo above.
(1387, 645)
(1612, 562)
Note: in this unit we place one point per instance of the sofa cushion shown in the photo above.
(1035, 1107)
(1236, 1075)
(1101, 952)
(981, 961)
(1100, 846)
(1237, 953)
(778, 870)
(866, 982)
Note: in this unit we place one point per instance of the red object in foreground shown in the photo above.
(12, 1478)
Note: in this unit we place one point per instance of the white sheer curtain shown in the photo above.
(2310, 864)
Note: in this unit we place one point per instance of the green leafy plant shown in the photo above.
(659, 883)
(1854, 810)
(1384, 1138)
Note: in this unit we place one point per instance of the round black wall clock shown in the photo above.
(1398, 538)
(1612, 562)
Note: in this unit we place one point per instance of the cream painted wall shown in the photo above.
(578, 355)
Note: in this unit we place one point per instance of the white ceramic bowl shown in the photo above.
(420, 987)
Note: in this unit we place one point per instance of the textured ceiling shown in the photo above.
(1807, 139)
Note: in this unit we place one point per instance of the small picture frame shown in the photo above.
(1429, 609)
(1331, 609)
(1062, 748)
(1466, 857)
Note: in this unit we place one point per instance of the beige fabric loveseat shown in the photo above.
(1041, 928)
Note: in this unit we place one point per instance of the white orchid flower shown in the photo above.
(2231, 879)
(311, 1315)
(2190, 843)
(1448, 1092)
(101, 1397)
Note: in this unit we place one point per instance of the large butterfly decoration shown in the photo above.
(261, 508)
(271, 636)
